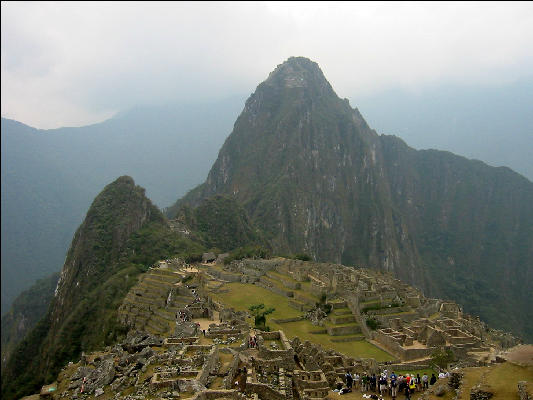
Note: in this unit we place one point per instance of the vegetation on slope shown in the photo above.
(122, 235)
(220, 223)
(27, 309)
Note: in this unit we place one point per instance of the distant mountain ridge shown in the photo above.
(315, 178)
(50, 177)
(493, 124)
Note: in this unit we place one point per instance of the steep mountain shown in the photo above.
(121, 236)
(50, 177)
(314, 177)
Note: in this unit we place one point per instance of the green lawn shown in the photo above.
(241, 296)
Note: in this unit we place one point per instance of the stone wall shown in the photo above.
(397, 350)
(209, 366)
(232, 371)
(523, 391)
(216, 394)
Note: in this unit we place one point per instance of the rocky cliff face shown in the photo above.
(315, 178)
(309, 171)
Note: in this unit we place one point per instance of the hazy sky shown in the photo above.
(70, 64)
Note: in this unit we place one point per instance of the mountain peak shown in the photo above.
(298, 72)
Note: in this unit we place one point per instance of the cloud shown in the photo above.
(76, 63)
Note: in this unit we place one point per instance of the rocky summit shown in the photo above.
(315, 178)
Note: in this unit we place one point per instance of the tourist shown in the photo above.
(356, 379)
(394, 387)
(418, 383)
(349, 380)
(407, 392)
(373, 382)
(433, 379)
(364, 383)
(412, 385)
(425, 380)
(382, 385)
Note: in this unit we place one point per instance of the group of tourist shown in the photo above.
(385, 384)
(252, 342)
(182, 316)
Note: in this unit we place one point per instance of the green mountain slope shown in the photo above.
(220, 223)
(121, 236)
(315, 178)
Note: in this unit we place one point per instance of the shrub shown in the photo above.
(442, 357)
(373, 324)
(247, 252)
(192, 258)
(302, 256)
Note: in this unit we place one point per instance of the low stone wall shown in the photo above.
(286, 320)
(275, 289)
(209, 394)
(350, 339)
(397, 350)
(523, 391)
(262, 390)
(408, 366)
(428, 309)
(292, 285)
(384, 319)
(343, 330)
(209, 366)
(224, 275)
(391, 310)
(175, 341)
(299, 306)
(232, 371)
(342, 319)
(303, 299)
(317, 289)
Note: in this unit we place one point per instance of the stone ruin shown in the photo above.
(409, 325)
(170, 358)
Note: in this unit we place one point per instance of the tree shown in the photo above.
(442, 357)
(259, 312)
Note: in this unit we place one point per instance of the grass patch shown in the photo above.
(504, 378)
(241, 296)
